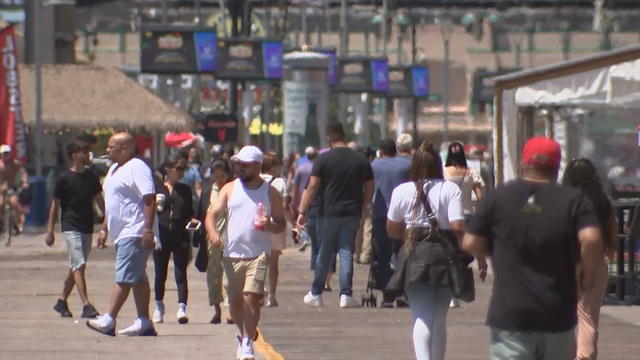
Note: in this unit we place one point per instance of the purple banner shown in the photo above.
(420, 79)
(205, 50)
(272, 53)
(380, 75)
(331, 76)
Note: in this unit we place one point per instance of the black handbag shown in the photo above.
(461, 279)
(202, 256)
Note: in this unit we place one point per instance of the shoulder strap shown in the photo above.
(433, 220)
(272, 178)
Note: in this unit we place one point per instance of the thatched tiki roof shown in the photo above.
(84, 96)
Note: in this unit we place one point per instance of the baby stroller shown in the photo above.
(369, 299)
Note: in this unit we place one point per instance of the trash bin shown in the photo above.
(37, 215)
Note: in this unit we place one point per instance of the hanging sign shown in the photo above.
(249, 59)
(177, 50)
(362, 74)
(408, 81)
(219, 128)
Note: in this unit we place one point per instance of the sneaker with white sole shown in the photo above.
(103, 324)
(271, 301)
(347, 301)
(455, 303)
(140, 327)
(312, 300)
(247, 352)
(181, 315)
(158, 315)
(239, 351)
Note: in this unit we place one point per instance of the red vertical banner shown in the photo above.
(12, 130)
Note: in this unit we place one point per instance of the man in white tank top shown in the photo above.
(247, 202)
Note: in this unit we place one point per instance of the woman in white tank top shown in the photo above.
(457, 171)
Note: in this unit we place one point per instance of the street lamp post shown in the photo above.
(414, 52)
(38, 75)
(446, 28)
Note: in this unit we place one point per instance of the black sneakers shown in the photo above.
(88, 311)
(62, 308)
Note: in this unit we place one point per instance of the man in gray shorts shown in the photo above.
(74, 192)
(129, 220)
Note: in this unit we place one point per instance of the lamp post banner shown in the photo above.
(12, 130)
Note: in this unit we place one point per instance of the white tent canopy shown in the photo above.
(610, 79)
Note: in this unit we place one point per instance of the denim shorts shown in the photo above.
(131, 261)
(523, 345)
(79, 247)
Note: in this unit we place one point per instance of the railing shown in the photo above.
(624, 272)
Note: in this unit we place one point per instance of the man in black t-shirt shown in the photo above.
(535, 232)
(345, 179)
(74, 192)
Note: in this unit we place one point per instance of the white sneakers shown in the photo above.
(181, 315)
(158, 313)
(140, 327)
(104, 324)
(246, 350)
(347, 301)
(312, 300)
(455, 303)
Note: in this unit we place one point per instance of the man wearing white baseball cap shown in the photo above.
(247, 244)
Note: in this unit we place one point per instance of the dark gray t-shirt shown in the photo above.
(532, 230)
(76, 192)
(342, 172)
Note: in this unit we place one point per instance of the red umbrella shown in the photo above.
(181, 139)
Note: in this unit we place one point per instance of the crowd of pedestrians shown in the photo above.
(547, 242)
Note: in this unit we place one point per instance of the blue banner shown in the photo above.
(380, 75)
(420, 79)
(331, 76)
(272, 54)
(205, 50)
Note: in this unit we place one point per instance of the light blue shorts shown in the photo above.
(131, 261)
(78, 247)
(523, 345)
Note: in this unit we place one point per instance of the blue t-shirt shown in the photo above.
(388, 172)
(191, 177)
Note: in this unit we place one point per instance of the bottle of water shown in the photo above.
(260, 214)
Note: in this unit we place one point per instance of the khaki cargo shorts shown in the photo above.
(245, 275)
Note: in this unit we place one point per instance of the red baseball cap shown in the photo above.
(541, 152)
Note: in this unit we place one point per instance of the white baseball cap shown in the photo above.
(248, 154)
(5, 149)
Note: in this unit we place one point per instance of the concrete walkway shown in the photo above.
(31, 277)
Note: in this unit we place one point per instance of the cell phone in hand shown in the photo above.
(193, 225)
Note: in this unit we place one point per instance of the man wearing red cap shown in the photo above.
(535, 231)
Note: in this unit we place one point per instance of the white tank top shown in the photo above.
(243, 241)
